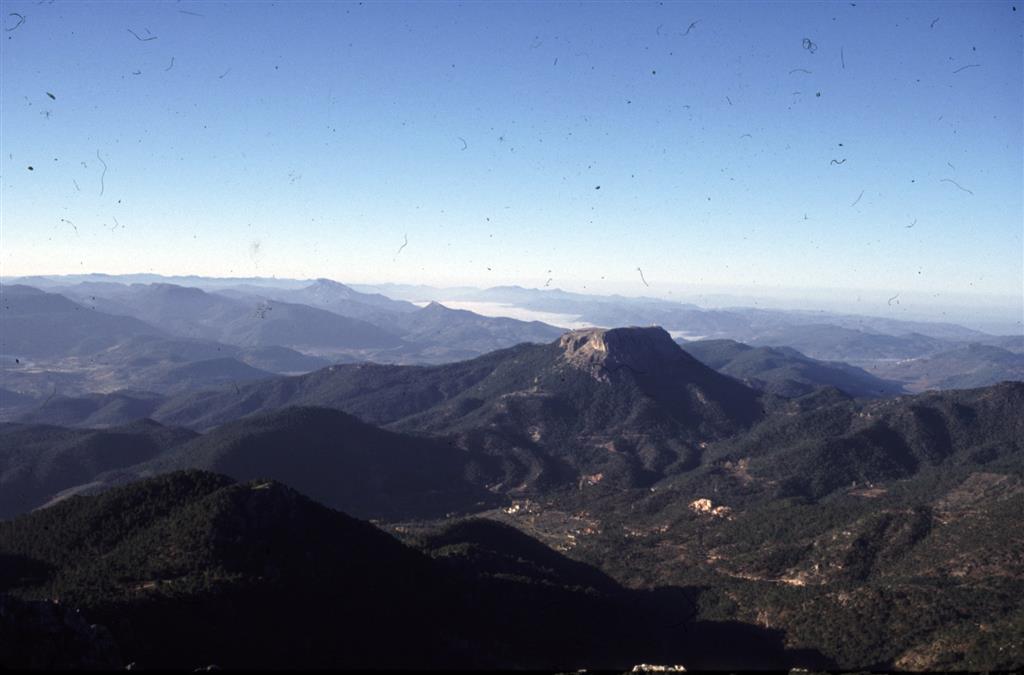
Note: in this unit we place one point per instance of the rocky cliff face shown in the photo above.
(601, 352)
(39, 635)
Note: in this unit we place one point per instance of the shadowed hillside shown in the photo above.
(196, 569)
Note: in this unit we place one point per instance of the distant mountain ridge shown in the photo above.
(740, 322)
(325, 318)
(418, 336)
(785, 371)
(581, 304)
(433, 333)
(336, 297)
(153, 363)
(36, 323)
(974, 365)
(191, 312)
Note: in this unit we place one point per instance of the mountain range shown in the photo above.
(809, 501)
(303, 316)
(591, 498)
(623, 403)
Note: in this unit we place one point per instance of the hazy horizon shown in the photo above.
(642, 149)
(991, 314)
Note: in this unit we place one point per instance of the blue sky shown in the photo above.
(311, 139)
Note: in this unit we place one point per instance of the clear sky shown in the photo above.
(511, 142)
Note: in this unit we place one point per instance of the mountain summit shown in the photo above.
(601, 352)
(627, 404)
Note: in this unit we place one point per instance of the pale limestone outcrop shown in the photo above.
(601, 352)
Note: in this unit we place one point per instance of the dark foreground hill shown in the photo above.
(192, 569)
(43, 635)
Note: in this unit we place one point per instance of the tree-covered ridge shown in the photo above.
(883, 534)
(786, 372)
(191, 568)
(343, 463)
(38, 461)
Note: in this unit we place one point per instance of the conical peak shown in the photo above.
(329, 286)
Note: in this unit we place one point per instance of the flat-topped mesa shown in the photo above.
(602, 351)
